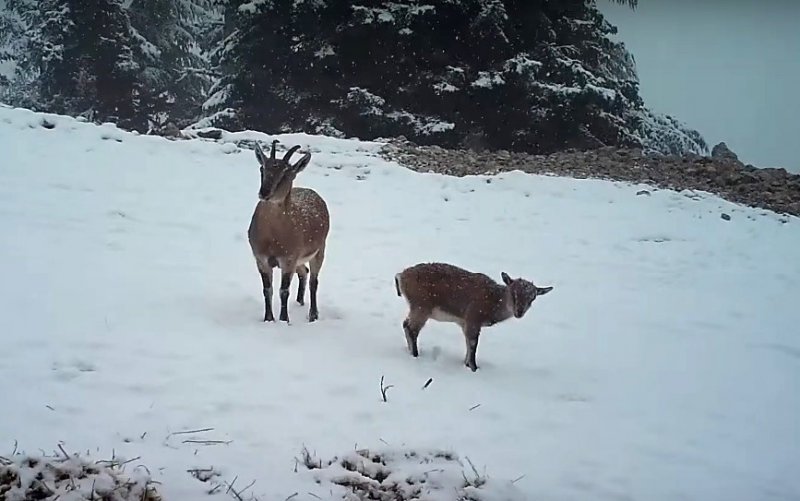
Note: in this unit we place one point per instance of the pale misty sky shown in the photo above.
(728, 69)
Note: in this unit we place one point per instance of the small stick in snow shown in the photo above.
(292, 496)
(474, 470)
(314, 495)
(50, 407)
(14, 452)
(384, 389)
(186, 432)
(63, 451)
(427, 383)
(141, 437)
(384, 441)
(230, 486)
(474, 407)
(518, 479)
(247, 487)
(238, 495)
(207, 442)
(130, 461)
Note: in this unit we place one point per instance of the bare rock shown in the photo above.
(210, 134)
(722, 152)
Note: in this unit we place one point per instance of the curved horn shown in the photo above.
(260, 154)
(290, 153)
(272, 155)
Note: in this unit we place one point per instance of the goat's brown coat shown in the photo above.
(447, 293)
(288, 229)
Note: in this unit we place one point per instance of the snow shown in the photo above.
(488, 79)
(441, 87)
(391, 13)
(218, 98)
(522, 64)
(73, 478)
(422, 124)
(325, 51)
(664, 365)
(255, 6)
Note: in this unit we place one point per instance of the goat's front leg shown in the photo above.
(472, 332)
(286, 280)
(266, 282)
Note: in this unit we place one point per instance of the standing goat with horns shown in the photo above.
(288, 229)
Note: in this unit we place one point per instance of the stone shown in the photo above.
(722, 152)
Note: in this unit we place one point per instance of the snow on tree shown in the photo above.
(79, 58)
(134, 62)
(174, 38)
(536, 76)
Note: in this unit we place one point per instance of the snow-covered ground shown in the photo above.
(664, 365)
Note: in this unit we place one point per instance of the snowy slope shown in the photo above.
(664, 365)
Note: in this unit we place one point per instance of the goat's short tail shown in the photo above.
(397, 284)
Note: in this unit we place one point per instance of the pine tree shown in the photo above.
(11, 31)
(174, 37)
(538, 75)
(80, 57)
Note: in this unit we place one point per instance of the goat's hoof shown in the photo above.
(313, 316)
(301, 302)
(269, 318)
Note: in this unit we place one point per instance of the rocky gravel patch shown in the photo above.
(722, 173)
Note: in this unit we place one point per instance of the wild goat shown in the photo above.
(447, 293)
(288, 229)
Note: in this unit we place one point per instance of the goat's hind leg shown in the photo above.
(414, 323)
(472, 334)
(313, 283)
(302, 276)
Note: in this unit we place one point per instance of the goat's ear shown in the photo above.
(541, 291)
(506, 279)
(302, 163)
(260, 155)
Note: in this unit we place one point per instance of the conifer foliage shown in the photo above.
(538, 76)
(531, 75)
(79, 57)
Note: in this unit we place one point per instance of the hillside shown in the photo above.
(663, 365)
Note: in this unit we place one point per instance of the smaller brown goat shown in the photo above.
(447, 293)
(289, 228)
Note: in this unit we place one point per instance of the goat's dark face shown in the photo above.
(272, 172)
(275, 173)
(522, 293)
